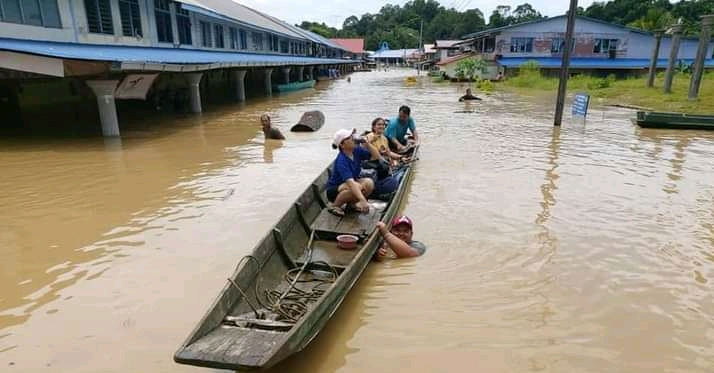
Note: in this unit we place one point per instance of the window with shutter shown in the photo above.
(99, 16)
(44, 13)
(130, 17)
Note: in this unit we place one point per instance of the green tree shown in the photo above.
(470, 68)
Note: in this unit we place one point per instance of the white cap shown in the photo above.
(341, 135)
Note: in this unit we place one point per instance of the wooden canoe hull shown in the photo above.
(310, 121)
(214, 344)
(651, 119)
(294, 86)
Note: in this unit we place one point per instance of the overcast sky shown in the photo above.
(334, 12)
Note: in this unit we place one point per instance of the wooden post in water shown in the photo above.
(698, 70)
(669, 74)
(565, 63)
(655, 56)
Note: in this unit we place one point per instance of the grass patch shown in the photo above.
(631, 91)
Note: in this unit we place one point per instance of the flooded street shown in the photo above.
(588, 248)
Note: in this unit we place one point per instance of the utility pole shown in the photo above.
(669, 73)
(565, 63)
(419, 48)
(704, 37)
(655, 55)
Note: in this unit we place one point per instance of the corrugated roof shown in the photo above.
(508, 27)
(119, 53)
(242, 13)
(445, 43)
(394, 53)
(315, 38)
(593, 63)
(354, 45)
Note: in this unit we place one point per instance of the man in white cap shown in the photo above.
(344, 185)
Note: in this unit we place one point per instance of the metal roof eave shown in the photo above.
(214, 14)
(135, 55)
(167, 67)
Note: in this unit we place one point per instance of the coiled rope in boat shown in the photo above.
(292, 303)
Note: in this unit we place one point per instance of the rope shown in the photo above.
(292, 303)
(245, 296)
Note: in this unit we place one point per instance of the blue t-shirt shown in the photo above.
(346, 168)
(398, 130)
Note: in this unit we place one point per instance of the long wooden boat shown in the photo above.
(310, 121)
(283, 294)
(294, 86)
(654, 119)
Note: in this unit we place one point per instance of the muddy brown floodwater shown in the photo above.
(584, 249)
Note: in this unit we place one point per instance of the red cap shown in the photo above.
(402, 220)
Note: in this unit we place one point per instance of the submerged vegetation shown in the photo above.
(630, 91)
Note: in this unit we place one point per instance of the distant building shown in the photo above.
(446, 48)
(599, 46)
(429, 52)
(48, 26)
(354, 47)
(396, 56)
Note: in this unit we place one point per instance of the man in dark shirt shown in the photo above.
(469, 96)
(269, 131)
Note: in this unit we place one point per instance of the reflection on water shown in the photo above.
(585, 248)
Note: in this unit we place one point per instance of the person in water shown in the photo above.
(469, 96)
(397, 130)
(269, 131)
(345, 187)
(399, 239)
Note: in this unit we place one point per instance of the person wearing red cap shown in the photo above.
(399, 239)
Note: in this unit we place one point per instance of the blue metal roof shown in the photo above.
(394, 53)
(594, 63)
(120, 53)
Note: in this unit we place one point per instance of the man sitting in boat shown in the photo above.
(399, 239)
(468, 96)
(269, 131)
(397, 130)
(344, 185)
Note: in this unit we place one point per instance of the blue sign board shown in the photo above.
(580, 104)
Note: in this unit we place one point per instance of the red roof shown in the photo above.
(352, 45)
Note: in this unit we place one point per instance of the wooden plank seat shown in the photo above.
(328, 226)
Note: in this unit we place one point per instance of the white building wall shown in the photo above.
(641, 46)
(74, 28)
(64, 34)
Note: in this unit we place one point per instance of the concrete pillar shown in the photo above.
(268, 82)
(104, 90)
(286, 75)
(239, 78)
(655, 56)
(698, 69)
(301, 73)
(194, 80)
(669, 74)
